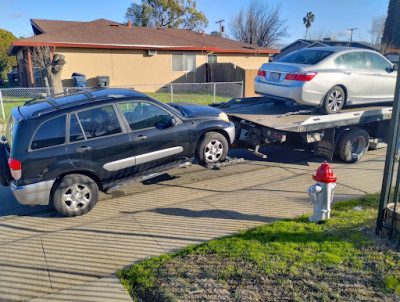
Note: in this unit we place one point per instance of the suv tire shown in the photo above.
(75, 195)
(212, 149)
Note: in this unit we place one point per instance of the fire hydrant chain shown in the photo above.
(322, 192)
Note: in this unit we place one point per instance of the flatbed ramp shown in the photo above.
(297, 118)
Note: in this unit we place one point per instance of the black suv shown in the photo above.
(68, 148)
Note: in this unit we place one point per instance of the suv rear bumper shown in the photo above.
(37, 193)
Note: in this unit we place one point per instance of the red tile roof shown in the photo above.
(103, 33)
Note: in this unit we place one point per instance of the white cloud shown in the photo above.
(342, 33)
(17, 15)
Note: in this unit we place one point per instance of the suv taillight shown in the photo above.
(15, 168)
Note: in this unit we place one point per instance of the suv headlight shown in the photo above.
(223, 117)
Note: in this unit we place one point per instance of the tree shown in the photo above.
(50, 66)
(307, 20)
(166, 13)
(391, 33)
(376, 29)
(258, 22)
(6, 62)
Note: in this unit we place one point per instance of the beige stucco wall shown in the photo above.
(136, 68)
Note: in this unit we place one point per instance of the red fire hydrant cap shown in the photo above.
(324, 174)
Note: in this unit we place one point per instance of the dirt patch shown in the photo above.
(212, 278)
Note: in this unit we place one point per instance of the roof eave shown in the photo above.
(16, 45)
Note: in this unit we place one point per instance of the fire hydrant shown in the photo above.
(322, 192)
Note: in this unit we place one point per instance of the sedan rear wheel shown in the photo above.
(333, 100)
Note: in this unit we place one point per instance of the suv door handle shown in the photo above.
(83, 149)
(347, 73)
(140, 138)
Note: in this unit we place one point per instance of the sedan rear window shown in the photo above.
(309, 57)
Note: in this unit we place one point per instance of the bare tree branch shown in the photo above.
(258, 22)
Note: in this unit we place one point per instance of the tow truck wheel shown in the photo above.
(333, 100)
(212, 149)
(353, 145)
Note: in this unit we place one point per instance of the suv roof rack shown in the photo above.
(98, 94)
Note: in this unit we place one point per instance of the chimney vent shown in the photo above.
(203, 34)
(129, 23)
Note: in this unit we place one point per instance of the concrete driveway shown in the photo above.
(46, 257)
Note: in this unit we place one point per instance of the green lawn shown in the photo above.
(291, 260)
(203, 99)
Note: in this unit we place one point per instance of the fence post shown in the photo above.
(242, 89)
(172, 94)
(215, 86)
(2, 105)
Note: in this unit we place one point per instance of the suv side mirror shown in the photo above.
(173, 121)
(166, 123)
(3, 139)
(395, 67)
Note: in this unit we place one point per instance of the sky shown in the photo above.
(332, 17)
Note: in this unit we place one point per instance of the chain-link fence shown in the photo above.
(199, 93)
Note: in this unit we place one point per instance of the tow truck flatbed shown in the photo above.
(263, 121)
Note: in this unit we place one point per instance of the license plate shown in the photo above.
(274, 76)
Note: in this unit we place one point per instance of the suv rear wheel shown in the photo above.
(212, 149)
(75, 195)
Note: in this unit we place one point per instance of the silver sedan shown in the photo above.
(329, 78)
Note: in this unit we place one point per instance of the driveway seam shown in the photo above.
(45, 261)
(148, 234)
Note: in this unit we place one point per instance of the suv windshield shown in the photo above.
(309, 56)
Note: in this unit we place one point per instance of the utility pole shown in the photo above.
(351, 33)
(221, 27)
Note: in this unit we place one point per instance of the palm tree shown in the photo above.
(307, 20)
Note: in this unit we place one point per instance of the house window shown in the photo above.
(183, 61)
(212, 58)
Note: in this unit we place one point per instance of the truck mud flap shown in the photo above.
(326, 146)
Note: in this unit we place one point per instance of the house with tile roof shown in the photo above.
(131, 55)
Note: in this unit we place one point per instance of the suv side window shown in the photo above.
(50, 133)
(142, 115)
(355, 60)
(97, 122)
(75, 130)
(377, 62)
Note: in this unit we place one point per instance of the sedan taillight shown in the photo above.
(261, 73)
(15, 168)
(301, 76)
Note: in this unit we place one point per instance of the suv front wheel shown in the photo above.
(75, 195)
(212, 149)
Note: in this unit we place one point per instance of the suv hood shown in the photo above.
(194, 110)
